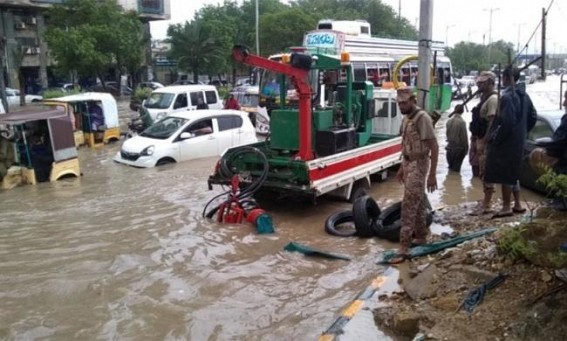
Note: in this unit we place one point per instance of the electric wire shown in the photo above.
(533, 33)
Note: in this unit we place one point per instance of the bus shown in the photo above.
(373, 59)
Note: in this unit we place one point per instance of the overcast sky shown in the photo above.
(453, 20)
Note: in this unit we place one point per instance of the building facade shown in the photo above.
(23, 48)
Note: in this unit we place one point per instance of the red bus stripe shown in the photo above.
(317, 174)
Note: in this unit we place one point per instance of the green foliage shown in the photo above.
(203, 45)
(90, 36)
(556, 184)
(557, 259)
(277, 25)
(54, 93)
(467, 56)
(223, 91)
(513, 243)
(142, 93)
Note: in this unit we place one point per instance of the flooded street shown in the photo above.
(123, 253)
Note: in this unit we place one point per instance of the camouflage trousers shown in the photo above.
(414, 203)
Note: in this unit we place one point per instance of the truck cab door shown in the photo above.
(180, 103)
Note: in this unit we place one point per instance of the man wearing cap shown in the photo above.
(418, 170)
(486, 112)
(457, 139)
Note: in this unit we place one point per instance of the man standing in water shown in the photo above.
(457, 140)
(483, 115)
(419, 146)
(505, 142)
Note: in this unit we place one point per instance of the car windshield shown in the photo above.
(159, 100)
(163, 129)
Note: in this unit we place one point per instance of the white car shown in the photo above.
(187, 135)
(151, 85)
(13, 97)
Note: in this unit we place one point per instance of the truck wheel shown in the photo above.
(337, 224)
(358, 190)
(365, 212)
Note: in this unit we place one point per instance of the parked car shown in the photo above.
(547, 122)
(69, 87)
(465, 83)
(185, 82)
(13, 97)
(187, 135)
(113, 88)
(166, 100)
(151, 85)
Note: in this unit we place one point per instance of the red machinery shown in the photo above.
(298, 78)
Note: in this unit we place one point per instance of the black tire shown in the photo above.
(334, 221)
(389, 223)
(165, 161)
(358, 190)
(365, 212)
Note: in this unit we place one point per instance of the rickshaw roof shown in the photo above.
(30, 115)
(85, 96)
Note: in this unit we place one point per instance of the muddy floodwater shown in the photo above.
(124, 254)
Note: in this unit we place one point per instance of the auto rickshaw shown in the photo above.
(36, 146)
(94, 116)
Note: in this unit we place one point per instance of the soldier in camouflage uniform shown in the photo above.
(420, 153)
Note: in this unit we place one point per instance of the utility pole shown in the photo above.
(257, 29)
(2, 84)
(424, 54)
(543, 56)
(400, 13)
(518, 42)
(447, 34)
(491, 10)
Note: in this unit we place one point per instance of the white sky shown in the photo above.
(453, 20)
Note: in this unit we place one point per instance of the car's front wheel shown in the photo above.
(164, 161)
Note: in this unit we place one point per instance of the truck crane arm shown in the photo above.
(298, 78)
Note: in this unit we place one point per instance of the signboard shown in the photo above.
(150, 6)
(329, 41)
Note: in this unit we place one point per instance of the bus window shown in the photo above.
(359, 72)
(385, 74)
(373, 75)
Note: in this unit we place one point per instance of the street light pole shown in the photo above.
(447, 34)
(519, 30)
(491, 10)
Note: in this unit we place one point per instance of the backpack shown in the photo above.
(479, 125)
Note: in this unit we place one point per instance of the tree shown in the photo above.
(89, 37)
(195, 46)
(468, 56)
(277, 32)
(382, 18)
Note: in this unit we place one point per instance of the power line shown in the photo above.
(534, 32)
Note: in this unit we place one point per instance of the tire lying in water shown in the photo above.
(334, 222)
(389, 224)
(365, 212)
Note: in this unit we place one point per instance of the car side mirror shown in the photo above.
(185, 135)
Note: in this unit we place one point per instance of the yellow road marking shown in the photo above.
(327, 337)
(353, 308)
(378, 281)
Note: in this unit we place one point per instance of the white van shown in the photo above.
(177, 98)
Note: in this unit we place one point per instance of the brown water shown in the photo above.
(123, 253)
